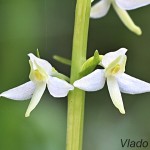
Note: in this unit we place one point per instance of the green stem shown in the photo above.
(76, 98)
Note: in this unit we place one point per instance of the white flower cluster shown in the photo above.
(41, 74)
(113, 72)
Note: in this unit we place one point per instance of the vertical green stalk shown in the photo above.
(76, 98)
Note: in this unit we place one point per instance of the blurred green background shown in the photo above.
(48, 26)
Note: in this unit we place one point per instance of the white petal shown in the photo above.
(115, 94)
(100, 9)
(132, 4)
(111, 56)
(132, 85)
(40, 88)
(58, 87)
(126, 19)
(92, 82)
(41, 62)
(22, 92)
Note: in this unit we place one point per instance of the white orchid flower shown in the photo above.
(117, 81)
(40, 76)
(101, 8)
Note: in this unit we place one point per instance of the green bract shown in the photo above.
(90, 64)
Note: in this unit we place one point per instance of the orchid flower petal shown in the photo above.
(115, 94)
(132, 4)
(40, 88)
(41, 62)
(111, 56)
(126, 19)
(131, 85)
(22, 92)
(92, 82)
(100, 9)
(58, 87)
